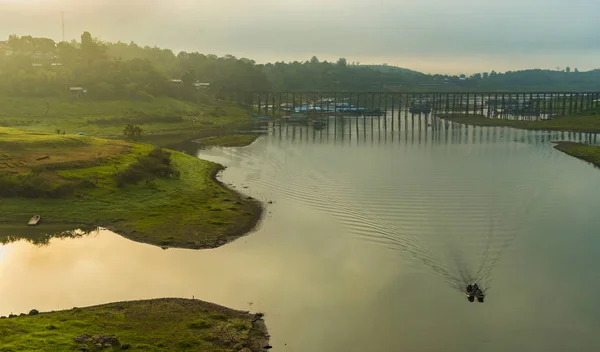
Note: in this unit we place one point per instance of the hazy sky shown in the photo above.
(446, 36)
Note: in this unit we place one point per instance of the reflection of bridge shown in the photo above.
(315, 105)
(421, 129)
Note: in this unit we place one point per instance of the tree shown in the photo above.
(576, 70)
(133, 132)
(24, 44)
(130, 71)
(567, 69)
(189, 77)
(44, 45)
(67, 53)
(92, 49)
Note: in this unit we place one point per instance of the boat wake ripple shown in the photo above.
(451, 222)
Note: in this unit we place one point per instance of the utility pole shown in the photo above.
(63, 25)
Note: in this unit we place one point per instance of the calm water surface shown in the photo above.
(370, 239)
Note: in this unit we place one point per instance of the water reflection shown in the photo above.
(420, 129)
(42, 234)
(338, 263)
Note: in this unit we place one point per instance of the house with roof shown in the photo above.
(77, 92)
(201, 85)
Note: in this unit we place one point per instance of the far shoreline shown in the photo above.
(567, 124)
(560, 124)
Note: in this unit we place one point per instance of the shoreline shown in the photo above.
(564, 124)
(227, 140)
(258, 336)
(173, 138)
(206, 323)
(250, 226)
(259, 208)
(584, 152)
(193, 210)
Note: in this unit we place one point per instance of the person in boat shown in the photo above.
(480, 295)
(470, 293)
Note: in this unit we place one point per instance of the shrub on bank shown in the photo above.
(36, 185)
(43, 182)
(157, 164)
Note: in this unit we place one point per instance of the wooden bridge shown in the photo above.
(497, 105)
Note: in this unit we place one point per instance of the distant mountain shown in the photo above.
(393, 69)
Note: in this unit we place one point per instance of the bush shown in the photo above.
(34, 185)
(157, 164)
(217, 112)
(200, 324)
(132, 131)
(221, 317)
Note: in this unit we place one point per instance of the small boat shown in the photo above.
(297, 117)
(319, 124)
(420, 109)
(34, 220)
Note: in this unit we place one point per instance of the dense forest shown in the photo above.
(40, 67)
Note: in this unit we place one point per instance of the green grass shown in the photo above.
(189, 211)
(152, 325)
(589, 153)
(19, 149)
(583, 122)
(235, 140)
(161, 117)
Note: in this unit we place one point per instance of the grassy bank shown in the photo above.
(152, 325)
(589, 153)
(163, 198)
(164, 120)
(585, 122)
(235, 140)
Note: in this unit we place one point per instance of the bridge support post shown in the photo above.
(467, 110)
(570, 103)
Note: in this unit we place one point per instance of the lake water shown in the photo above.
(367, 244)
